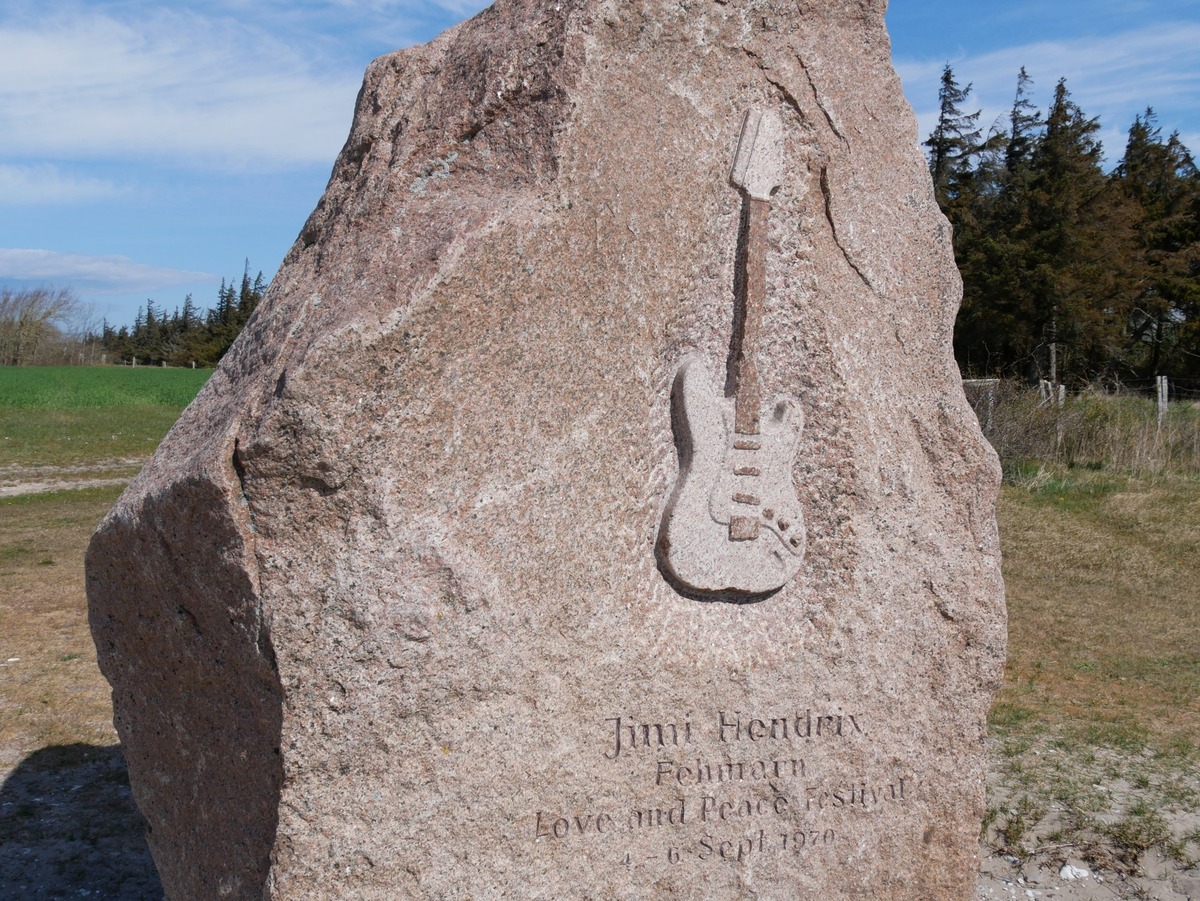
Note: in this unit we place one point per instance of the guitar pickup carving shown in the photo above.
(743, 528)
(747, 444)
(747, 471)
(749, 499)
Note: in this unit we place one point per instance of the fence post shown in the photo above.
(1059, 395)
(1163, 399)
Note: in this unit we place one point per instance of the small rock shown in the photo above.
(1071, 872)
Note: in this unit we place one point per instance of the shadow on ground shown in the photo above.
(69, 829)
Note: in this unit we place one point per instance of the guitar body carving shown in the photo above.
(733, 526)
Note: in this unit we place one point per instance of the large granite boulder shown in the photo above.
(455, 581)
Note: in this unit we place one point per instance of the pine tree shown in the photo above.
(187, 336)
(995, 333)
(1069, 242)
(1160, 183)
(188, 318)
(1025, 123)
(954, 142)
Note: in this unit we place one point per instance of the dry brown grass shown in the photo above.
(53, 694)
(1096, 732)
(1116, 433)
(1103, 577)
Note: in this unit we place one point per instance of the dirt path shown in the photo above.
(20, 480)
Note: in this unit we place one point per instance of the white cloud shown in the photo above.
(46, 184)
(1114, 77)
(168, 86)
(458, 8)
(95, 274)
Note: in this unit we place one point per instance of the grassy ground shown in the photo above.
(71, 421)
(64, 426)
(1096, 731)
(68, 826)
(50, 690)
(1105, 627)
(78, 416)
(97, 387)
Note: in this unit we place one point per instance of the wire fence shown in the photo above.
(1179, 390)
(1128, 432)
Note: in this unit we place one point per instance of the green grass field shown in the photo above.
(55, 416)
(97, 387)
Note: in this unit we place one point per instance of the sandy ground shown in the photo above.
(1161, 880)
(1061, 859)
(19, 480)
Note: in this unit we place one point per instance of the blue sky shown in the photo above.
(148, 149)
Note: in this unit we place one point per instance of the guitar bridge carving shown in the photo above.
(733, 528)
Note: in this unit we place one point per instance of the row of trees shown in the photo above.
(1070, 273)
(186, 336)
(45, 326)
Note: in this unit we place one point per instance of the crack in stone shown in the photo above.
(788, 97)
(794, 103)
(812, 85)
(828, 194)
(240, 471)
(262, 638)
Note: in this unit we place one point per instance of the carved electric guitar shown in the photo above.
(733, 527)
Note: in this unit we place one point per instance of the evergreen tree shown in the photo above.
(1159, 182)
(985, 207)
(1025, 123)
(187, 337)
(955, 141)
(1040, 286)
(188, 317)
(1069, 241)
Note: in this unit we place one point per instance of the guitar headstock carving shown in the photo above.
(758, 164)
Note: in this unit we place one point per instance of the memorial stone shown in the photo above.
(592, 508)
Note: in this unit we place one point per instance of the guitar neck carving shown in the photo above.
(748, 389)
